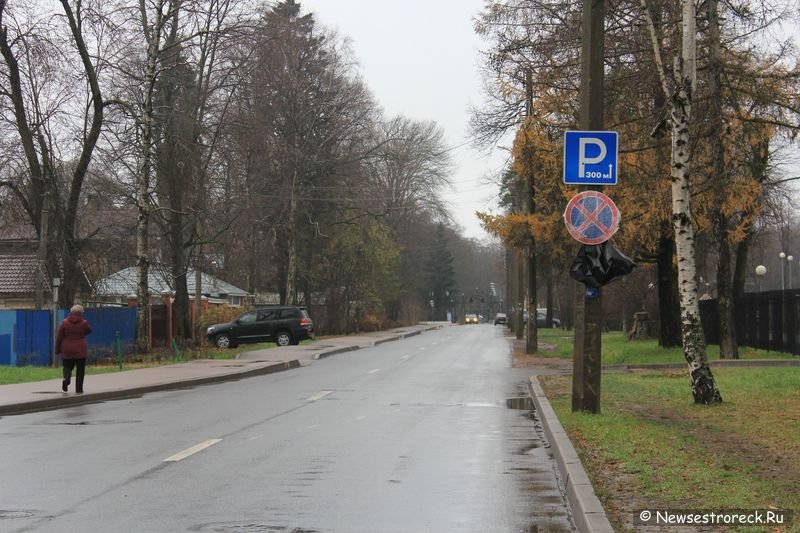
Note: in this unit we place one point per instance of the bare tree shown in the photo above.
(36, 103)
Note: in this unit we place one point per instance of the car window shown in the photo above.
(289, 313)
(248, 318)
(266, 314)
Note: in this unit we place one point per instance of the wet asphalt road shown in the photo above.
(409, 436)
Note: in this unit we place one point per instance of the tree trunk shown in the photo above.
(740, 270)
(727, 329)
(41, 271)
(669, 304)
(704, 389)
(143, 185)
(520, 296)
(198, 302)
(291, 245)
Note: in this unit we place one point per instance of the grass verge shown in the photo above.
(616, 350)
(652, 448)
(158, 357)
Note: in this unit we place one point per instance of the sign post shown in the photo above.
(588, 308)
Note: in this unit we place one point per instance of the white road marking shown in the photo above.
(193, 450)
(319, 396)
(374, 371)
(361, 417)
(405, 357)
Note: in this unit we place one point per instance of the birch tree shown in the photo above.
(144, 30)
(679, 92)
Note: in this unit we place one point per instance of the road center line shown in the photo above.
(319, 396)
(374, 371)
(193, 450)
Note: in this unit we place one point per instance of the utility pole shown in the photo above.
(589, 310)
(531, 334)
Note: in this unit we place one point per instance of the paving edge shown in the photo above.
(587, 511)
(334, 351)
(68, 401)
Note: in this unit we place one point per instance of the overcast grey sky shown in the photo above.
(420, 59)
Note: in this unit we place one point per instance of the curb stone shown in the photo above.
(335, 351)
(389, 339)
(60, 401)
(733, 363)
(588, 512)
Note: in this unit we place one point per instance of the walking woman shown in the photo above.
(72, 347)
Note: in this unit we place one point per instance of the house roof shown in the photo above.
(18, 274)
(123, 283)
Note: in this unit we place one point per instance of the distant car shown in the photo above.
(500, 318)
(471, 318)
(284, 325)
(541, 320)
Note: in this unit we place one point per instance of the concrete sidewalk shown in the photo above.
(42, 395)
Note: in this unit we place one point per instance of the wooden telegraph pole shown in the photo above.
(588, 313)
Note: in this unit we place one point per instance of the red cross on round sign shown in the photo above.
(591, 217)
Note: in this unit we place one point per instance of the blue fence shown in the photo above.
(27, 336)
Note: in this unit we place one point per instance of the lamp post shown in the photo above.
(783, 257)
(761, 270)
(789, 258)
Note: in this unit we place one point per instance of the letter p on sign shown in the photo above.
(590, 157)
(583, 159)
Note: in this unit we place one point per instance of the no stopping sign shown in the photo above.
(591, 217)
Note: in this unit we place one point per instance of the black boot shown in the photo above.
(64, 385)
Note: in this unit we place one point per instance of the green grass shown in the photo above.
(616, 350)
(652, 447)
(161, 356)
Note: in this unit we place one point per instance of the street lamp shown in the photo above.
(761, 270)
(782, 256)
(789, 258)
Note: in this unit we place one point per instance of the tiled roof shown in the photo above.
(18, 274)
(123, 283)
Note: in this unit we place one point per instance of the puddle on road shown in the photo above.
(15, 514)
(249, 527)
(91, 423)
(522, 403)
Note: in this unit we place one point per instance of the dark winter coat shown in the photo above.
(71, 338)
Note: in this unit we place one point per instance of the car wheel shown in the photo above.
(223, 340)
(284, 338)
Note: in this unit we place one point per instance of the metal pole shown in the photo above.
(56, 284)
(588, 315)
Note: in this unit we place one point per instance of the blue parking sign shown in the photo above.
(590, 157)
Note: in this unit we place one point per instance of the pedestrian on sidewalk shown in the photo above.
(71, 345)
